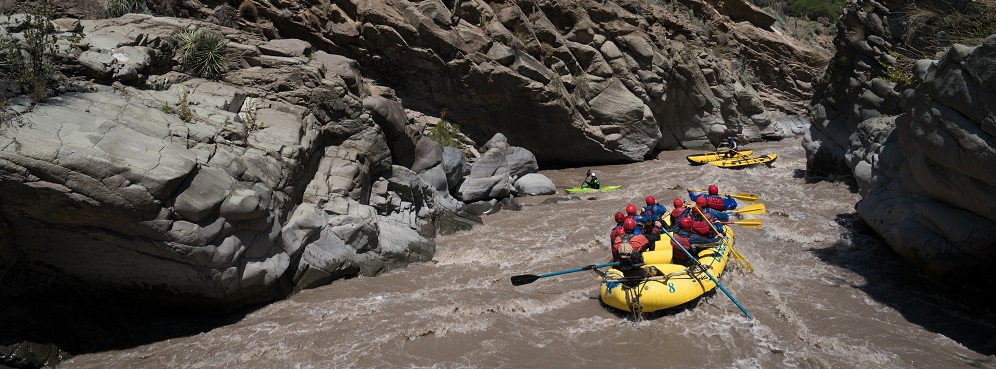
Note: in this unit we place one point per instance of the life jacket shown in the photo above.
(716, 203)
(676, 214)
(684, 242)
(701, 228)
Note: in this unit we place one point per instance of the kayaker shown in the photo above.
(721, 203)
(591, 181)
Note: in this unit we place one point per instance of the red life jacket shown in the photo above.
(676, 214)
(701, 228)
(716, 203)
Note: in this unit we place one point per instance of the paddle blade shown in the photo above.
(753, 209)
(519, 280)
(742, 260)
(749, 223)
(749, 197)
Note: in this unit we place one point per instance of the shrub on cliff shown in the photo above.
(204, 52)
(814, 9)
(33, 62)
(117, 8)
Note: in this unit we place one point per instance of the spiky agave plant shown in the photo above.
(204, 52)
(117, 8)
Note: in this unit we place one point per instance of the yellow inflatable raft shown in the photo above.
(678, 284)
(699, 159)
(744, 161)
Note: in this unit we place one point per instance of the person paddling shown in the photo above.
(730, 145)
(591, 181)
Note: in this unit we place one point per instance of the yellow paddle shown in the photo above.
(736, 255)
(748, 223)
(752, 209)
(749, 197)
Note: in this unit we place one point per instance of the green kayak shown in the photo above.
(586, 189)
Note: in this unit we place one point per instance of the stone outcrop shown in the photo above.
(928, 175)
(280, 180)
(573, 82)
(919, 145)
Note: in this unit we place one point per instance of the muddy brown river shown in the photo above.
(822, 295)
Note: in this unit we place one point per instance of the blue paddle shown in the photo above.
(707, 273)
(530, 278)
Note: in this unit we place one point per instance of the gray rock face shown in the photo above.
(855, 87)
(279, 181)
(921, 152)
(567, 84)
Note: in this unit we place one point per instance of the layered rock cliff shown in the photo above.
(579, 82)
(919, 138)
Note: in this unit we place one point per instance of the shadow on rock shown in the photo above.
(959, 313)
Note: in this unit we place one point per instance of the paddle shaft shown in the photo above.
(726, 240)
(703, 268)
(519, 280)
(739, 196)
(575, 270)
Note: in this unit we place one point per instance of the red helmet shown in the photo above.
(685, 223)
(678, 203)
(630, 224)
(701, 201)
(619, 217)
(713, 190)
(631, 209)
(651, 201)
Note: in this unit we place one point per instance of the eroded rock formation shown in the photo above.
(570, 81)
(920, 145)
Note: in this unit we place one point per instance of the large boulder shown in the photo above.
(928, 175)
(277, 180)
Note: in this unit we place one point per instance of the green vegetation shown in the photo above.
(546, 51)
(250, 118)
(117, 8)
(183, 108)
(33, 62)
(204, 52)
(814, 9)
(444, 132)
(556, 80)
(935, 26)
(225, 15)
(896, 75)
(248, 10)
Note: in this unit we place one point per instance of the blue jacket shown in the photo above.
(656, 211)
(717, 215)
(729, 203)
